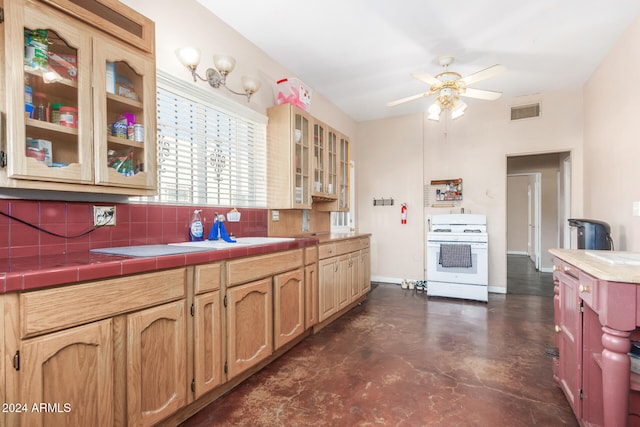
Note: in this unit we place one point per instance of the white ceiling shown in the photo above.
(359, 54)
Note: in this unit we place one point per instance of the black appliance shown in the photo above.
(593, 234)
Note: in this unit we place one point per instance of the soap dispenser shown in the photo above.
(196, 229)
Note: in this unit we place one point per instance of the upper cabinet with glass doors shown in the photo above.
(289, 173)
(80, 102)
(308, 162)
(324, 163)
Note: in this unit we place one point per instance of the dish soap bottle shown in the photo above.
(196, 230)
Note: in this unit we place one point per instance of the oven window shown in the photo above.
(471, 270)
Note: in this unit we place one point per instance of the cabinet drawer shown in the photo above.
(208, 278)
(327, 250)
(348, 246)
(310, 255)
(566, 268)
(588, 290)
(52, 309)
(248, 269)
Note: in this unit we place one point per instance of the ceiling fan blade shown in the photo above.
(487, 95)
(407, 99)
(427, 78)
(483, 74)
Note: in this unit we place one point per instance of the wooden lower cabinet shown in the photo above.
(69, 378)
(156, 363)
(207, 343)
(249, 325)
(288, 306)
(311, 295)
(364, 278)
(343, 276)
(327, 288)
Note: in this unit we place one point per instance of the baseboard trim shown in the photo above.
(497, 290)
(517, 253)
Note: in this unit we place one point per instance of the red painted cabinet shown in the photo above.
(594, 322)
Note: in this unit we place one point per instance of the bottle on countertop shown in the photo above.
(196, 229)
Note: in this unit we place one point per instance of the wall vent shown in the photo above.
(525, 111)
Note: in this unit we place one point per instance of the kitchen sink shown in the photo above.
(240, 241)
(618, 258)
(148, 250)
(188, 247)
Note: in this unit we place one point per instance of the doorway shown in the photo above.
(536, 211)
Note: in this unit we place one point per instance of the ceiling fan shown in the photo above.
(449, 86)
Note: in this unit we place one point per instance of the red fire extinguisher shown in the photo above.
(403, 213)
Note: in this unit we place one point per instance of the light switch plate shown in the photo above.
(275, 215)
(636, 208)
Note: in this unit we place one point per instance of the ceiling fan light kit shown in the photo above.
(449, 86)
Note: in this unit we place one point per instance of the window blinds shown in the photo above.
(211, 151)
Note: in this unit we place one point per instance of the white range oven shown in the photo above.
(457, 257)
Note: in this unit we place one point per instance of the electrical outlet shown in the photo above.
(104, 215)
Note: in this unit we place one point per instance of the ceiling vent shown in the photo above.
(525, 111)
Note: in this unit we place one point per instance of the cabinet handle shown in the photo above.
(558, 329)
(584, 289)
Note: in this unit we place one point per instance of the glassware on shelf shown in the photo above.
(40, 111)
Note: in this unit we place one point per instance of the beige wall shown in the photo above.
(612, 141)
(476, 148)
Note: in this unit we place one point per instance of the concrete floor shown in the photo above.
(402, 359)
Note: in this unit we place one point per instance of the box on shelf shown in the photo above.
(42, 146)
(65, 65)
(292, 91)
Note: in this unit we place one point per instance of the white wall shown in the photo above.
(517, 215)
(187, 23)
(475, 148)
(612, 141)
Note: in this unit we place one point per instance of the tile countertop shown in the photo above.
(331, 237)
(34, 272)
(599, 268)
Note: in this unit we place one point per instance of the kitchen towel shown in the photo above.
(455, 255)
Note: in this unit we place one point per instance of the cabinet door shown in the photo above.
(327, 288)
(208, 343)
(344, 169)
(124, 91)
(319, 152)
(344, 281)
(249, 325)
(56, 53)
(156, 363)
(354, 276)
(332, 163)
(71, 373)
(364, 272)
(570, 341)
(311, 295)
(302, 158)
(289, 305)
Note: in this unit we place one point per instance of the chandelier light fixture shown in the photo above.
(216, 77)
(448, 99)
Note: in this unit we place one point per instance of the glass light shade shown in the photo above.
(458, 109)
(188, 56)
(250, 85)
(224, 63)
(434, 111)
